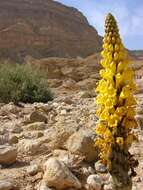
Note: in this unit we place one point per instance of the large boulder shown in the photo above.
(82, 143)
(59, 176)
(8, 154)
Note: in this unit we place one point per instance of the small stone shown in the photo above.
(55, 104)
(87, 170)
(33, 169)
(5, 185)
(108, 187)
(8, 154)
(100, 168)
(63, 112)
(42, 186)
(94, 182)
(13, 139)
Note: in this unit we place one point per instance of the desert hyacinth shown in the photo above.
(115, 108)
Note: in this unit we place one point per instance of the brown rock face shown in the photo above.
(44, 28)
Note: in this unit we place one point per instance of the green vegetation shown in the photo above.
(22, 83)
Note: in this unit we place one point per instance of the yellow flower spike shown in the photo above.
(116, 102)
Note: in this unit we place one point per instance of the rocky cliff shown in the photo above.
(44, 28)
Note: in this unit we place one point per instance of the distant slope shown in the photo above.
(44, 28)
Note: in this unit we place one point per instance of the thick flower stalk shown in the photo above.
(115, 110)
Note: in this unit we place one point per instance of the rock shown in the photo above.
(87, 170)
(59, 134)
(35, 126)
(42, 186)
(71, 160)
(68, 100)
(5, 185)
(82, 143)
(87, 84)
(108, 187)
(13, 139)
(33, 169)
(36, 116)
(63, 112)
(86, 94)
(94, 182)
(70, 84)
(8, 154)
(10, 108)
(59, 176)
(54, 83)
(139, 119)
(99, 167)
(31, 146)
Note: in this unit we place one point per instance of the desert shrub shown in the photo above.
(22, 83)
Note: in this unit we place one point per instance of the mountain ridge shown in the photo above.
(45, 28)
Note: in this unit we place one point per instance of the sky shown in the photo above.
(128, 13)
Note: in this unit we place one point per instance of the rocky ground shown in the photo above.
(51, 146)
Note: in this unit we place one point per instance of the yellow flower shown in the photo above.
(130, 123)
(128, 74)
(113, 120)
(110, 102)
(106, 74)
(126, 92)
(100, 129)
(113, 67)
(108, 137)
(111, 91)
(120, 111)
(120, 66)
(102, 86)
(104, 115)
(100, 99)
(120, 141)
(119, 79)
(99, 111)
(130, 112)
(130, 101)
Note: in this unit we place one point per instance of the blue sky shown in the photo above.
(129, 14)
